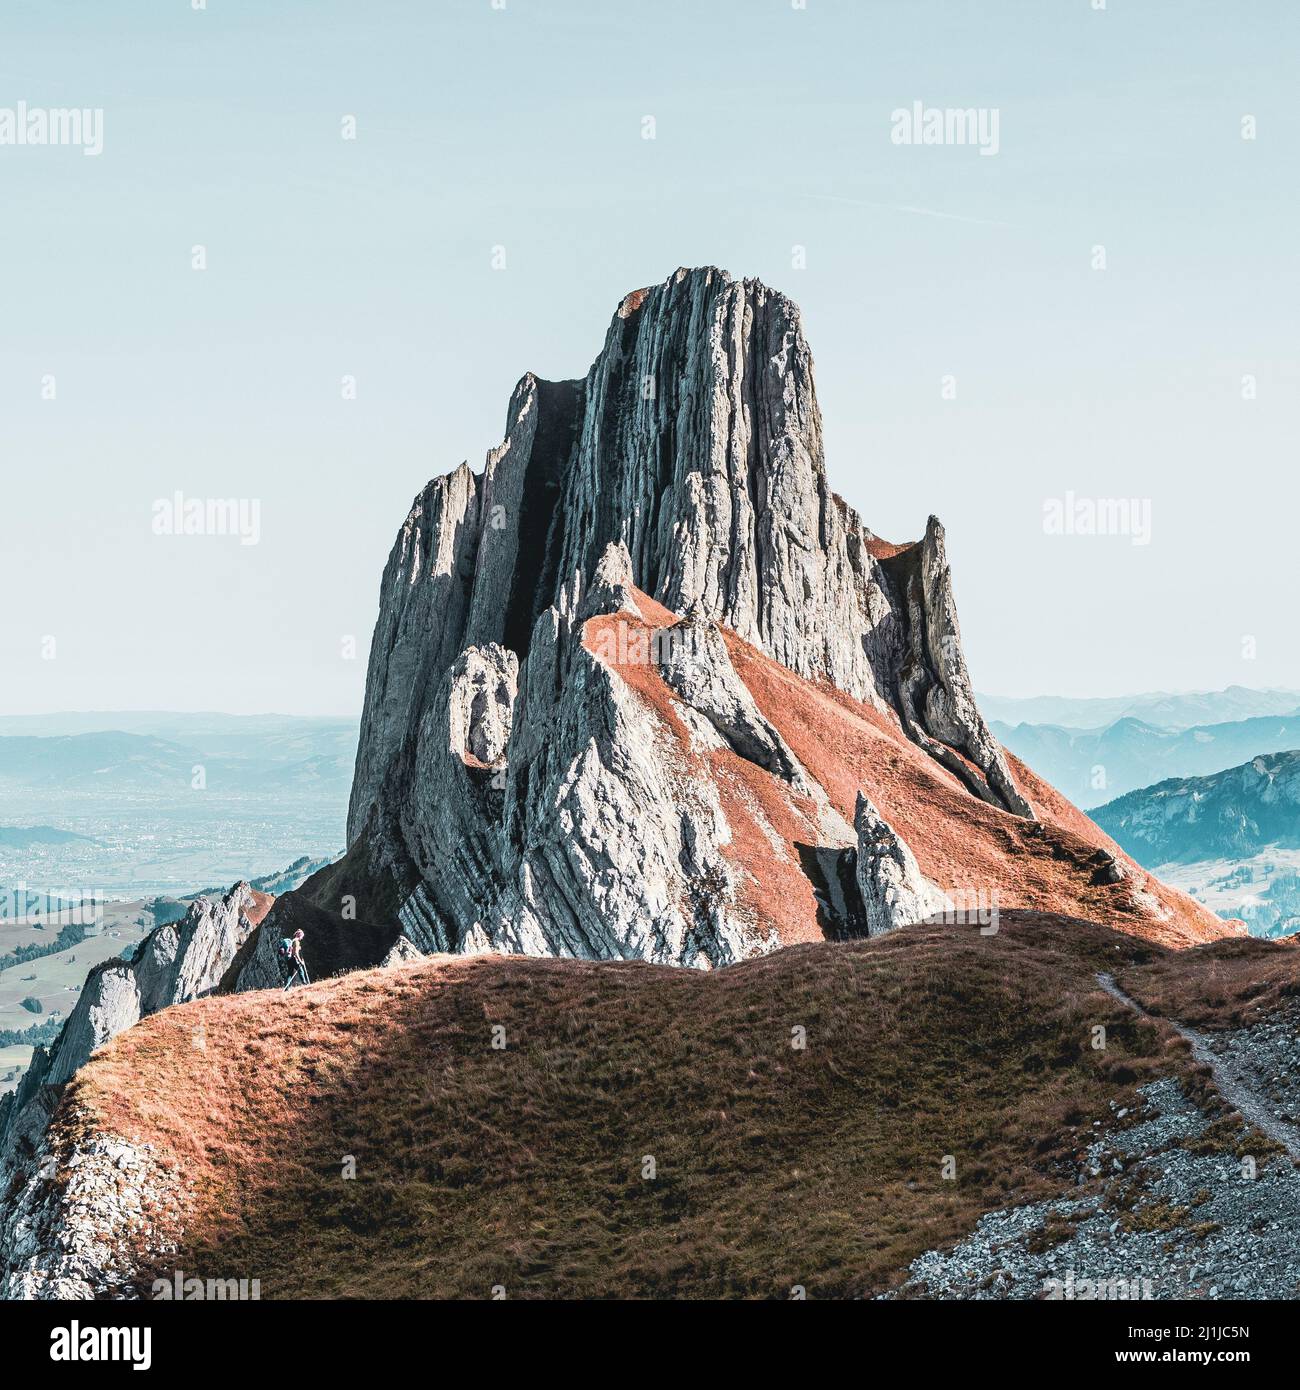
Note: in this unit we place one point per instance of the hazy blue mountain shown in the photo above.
(25, 836)
(101, 761)
(180, 725)
(1160, 708)
(1134, 754)
(158, 753)
(1230, 815)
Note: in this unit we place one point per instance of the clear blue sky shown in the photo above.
(522, 127)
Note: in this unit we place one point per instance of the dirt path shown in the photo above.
(1232, 1085)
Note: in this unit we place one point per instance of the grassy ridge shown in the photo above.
(773, 1166)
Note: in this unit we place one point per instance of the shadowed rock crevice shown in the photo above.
(539, 539)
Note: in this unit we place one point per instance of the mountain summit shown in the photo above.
(637, 688)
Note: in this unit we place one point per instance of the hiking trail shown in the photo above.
(1232, 1085)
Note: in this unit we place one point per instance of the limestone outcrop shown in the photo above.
(893, 890)
(514, 789)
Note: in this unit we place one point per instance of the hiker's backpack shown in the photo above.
(285, 948)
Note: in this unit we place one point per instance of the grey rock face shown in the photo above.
(481, 702)
(932, 686)
(109, 1002)
(700, 448)
(603, 845)
(694, 443)
(893, 890)
(85, 1213)
(176, 962)
(422, 614)
(694, 661)
(259, 967)
(511, 791)
(611, 585)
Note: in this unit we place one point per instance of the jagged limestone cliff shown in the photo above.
(511, 788)
(694, 442)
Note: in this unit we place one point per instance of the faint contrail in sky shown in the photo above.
(904, 207)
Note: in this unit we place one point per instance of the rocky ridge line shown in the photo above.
(176, 962)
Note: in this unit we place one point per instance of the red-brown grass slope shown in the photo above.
(961, 843)
(645, 1131)
(262, 904)
(1224, 985)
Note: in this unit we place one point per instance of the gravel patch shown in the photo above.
(1265, 1058)
(1174, 1206)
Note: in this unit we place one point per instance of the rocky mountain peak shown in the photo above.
(627, 682)
(694, 444)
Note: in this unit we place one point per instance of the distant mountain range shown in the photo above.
(1159, 708)
(28, 836)
(1232, 814)
(1093, 766)
(282, 881)
(158, 753)
(118, 761)
(205, 727)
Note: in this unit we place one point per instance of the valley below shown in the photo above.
(145, 846)
(142, 850)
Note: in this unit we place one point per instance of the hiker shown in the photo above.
(290, 953)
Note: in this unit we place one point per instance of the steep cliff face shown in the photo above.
(557, 754)
(695, 443)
